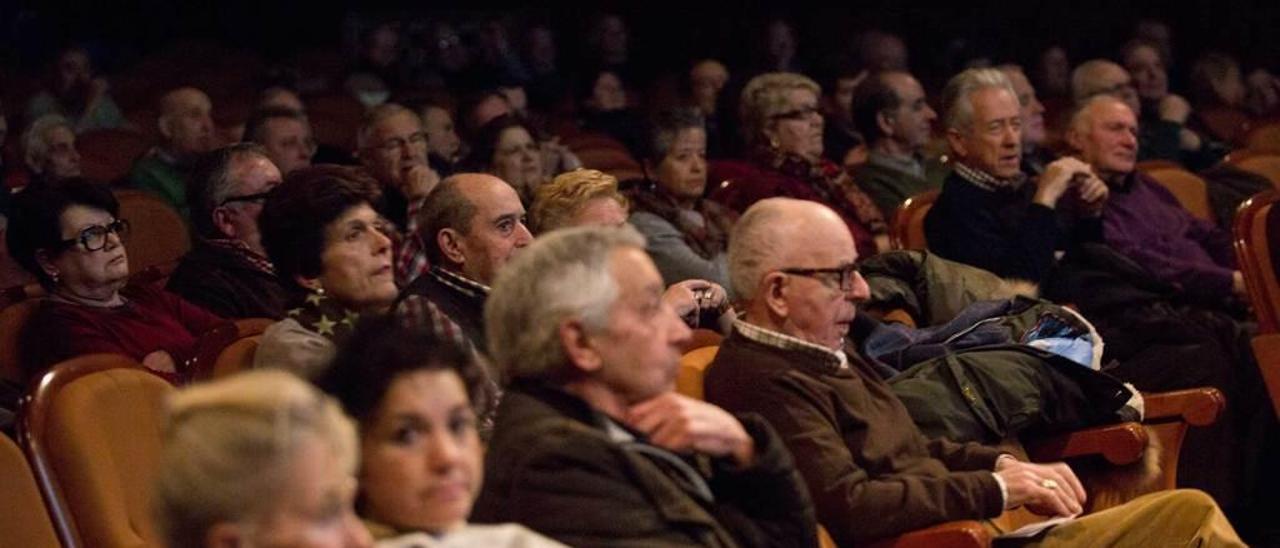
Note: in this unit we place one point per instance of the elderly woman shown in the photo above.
(686, 236)
(49, 149)
(783, 130)
(257, 459)
(71, 237)
(322, 231)
(418, 400)
(507, 148)
(586, 197)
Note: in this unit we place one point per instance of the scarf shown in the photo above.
(831, 182)
(708, 238)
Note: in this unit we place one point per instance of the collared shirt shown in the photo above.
(411, 252)
(910, 164)
(258, 262)
(465, 285)
(986, 181)
(826, 357)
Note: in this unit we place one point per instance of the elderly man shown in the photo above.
(871, 472)
(989, 214)
(890, 111)
(470, 225)
(1142, 219)
(1164, 135)
(227, 271)
(49, 148)
(186, 130)
(393, 147)
(591, 445)
(285, 134)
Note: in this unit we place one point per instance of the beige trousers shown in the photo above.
(1179, 518)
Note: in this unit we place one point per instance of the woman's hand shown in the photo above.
(160, 361)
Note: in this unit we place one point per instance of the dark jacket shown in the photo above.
(552, 467)
(222, 282)
(871, 472)
(460, 299)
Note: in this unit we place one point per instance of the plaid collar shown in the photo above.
(830, 361)
(460, 283)
(241, 249)
(988, 182)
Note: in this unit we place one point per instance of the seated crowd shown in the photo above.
(476, 328)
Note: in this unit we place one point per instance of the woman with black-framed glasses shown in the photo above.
(69, 236)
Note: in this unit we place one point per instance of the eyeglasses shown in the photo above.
(796, 114)
(95, 238)
(392, 146)
(255, 198)
(843, 275)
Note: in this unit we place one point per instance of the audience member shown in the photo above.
(471, 225)
(444, 147)
(393, 147)
(285, 135)
(605, 109)
(579, 197)
(881, 51)
(891, 113)
(590, 429)
(685, 234)
(227, 270)
(1143, 220)
(783, 130)
(70, 236)
(49, 148)
(74, 93)
(419, 402)
(871, 472)
(506, 147)
(330, 246)
(1218, 94)
(989, 214)
(258, 459)
(186, 131)
(840, 137)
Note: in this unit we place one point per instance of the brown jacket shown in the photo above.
(551, 466)
(871, 473)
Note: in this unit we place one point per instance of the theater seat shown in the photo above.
(107, 155)
(23, 518)
(1264, 164)
(907, 230)
(91, 429)
(1190, 189)
(158, 234)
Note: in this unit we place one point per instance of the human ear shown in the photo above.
(577, 345)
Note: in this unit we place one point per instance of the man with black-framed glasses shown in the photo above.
(870, 470)
(227, 270)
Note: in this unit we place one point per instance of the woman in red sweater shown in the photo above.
(69, 235)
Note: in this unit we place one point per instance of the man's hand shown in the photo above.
(1046, 489)
(417, 181)
(685, 425)
(1238, 286)
(1173, 108)
(1058, 177)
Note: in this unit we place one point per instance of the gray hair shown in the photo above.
(564, 274)
(35, 142)
(753, 246)
(229, 444)
(211, 183)
(1082, 108)
(764, 96)
(956, 97)
(665, 126)
(374, 117)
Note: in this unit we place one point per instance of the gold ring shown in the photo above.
(1048, 484)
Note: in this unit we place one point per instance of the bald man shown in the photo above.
(872, 474)
(471, 225)
(186, 131)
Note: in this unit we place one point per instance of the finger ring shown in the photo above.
(1048, 484)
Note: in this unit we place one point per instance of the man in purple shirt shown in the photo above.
(1143, 220)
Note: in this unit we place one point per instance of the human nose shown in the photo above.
(523, 236)
(930, 114)
(858, 291)
(381, 242)
(445, 451)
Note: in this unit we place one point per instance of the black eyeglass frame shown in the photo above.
(119, 227)
(846, 274)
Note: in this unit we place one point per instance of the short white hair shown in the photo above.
(561, 275)
(35, 142)
(956, 96)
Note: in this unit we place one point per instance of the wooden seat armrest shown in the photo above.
(1195, 406)
(1119, 444)
(944, 535)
